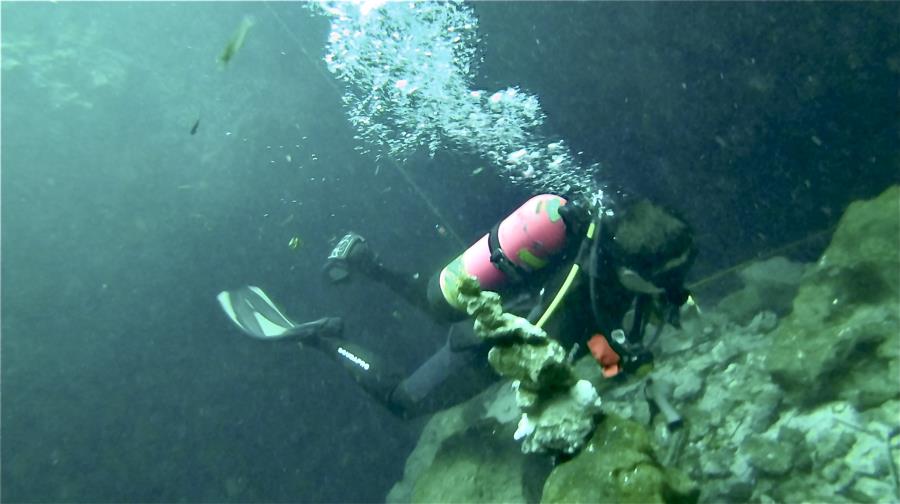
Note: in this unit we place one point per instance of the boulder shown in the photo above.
(481, 464)
(842, 334)
(617, 465)
(768, 285)
(467, 454)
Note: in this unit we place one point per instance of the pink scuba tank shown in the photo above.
(523, 242)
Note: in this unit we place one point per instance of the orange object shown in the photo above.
(605, 355)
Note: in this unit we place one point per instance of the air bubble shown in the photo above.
(434, 45)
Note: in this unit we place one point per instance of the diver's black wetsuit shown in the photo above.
(429, 388)
(463, 357)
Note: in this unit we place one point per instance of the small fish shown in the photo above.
(195, 126)
(295, 243)
(236, 42)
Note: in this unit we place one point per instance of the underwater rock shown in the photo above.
(715, 464)
(503, 408)
(479, 464)
(484, 422)
(868, 489)
(838, 453)
(727, 402)
(768, 285)
(439, 427)
(734, 405)
(723, 352)
(777, 271)
(886, 414)
(768, 455)
(763, 322)
(864, 384)
(695, 329)
(672, 340)
(626, 400)
(617, 466)
(687, 386)
(560, 424)
(842, 333)
(767, 399)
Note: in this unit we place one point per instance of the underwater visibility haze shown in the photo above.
(156, 154)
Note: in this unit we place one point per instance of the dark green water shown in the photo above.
(122, 381)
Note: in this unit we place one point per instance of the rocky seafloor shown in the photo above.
(787, 390)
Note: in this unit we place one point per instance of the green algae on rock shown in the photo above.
(842, 333)
(480, 465)
(617, 465)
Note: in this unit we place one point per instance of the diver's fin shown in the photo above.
(257, 316)
(254, 313)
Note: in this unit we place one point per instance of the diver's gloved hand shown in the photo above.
(639, 362)
(577, 216)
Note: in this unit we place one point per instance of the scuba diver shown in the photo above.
(585, 277)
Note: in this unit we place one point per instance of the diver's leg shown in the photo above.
(375, 375)
(453, 374)
(353, 254)
(421, 292)
(256, 315)
(413, 288)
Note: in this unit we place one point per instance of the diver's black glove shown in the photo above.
(639, 359)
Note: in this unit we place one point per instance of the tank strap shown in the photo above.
(514, 272)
